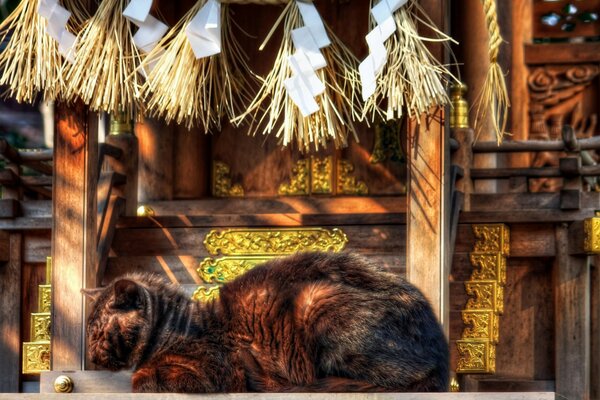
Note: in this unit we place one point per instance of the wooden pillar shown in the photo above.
(121, 136)
(156, 161)
(595, 345)
(470, 30)
(426, 222)
(10, 317)
(572, 319)
(73, 230)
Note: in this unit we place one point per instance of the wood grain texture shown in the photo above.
(572, 305)
(155, 160)
(127, 166)
(10, 317)
(521, 18)
(74, 230)
(426, 209)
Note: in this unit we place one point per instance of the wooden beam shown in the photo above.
(572, 320)
(115, 208)
(74, 230)
(562, 53)
(127, 165)
(426, 222)
(10, 318)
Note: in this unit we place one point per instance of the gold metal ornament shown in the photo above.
(40, 327)
(481, 316)
(63, 384)
(36, 357)
(221, 182)
(459, 115)
(205, 294)
(387, 143)
(243, 249)
(591, 241)
(145, 211)
(321, 173)
(36, 353)
(454, 386)
(346, 183)
(281, 241)
(226, 269)
(299, 183)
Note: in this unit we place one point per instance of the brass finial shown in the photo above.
(454, 386)
(63, 384)
(459, 115)
(120, 122)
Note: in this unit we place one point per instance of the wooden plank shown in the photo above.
(189, 241)
(426, 223)
(104, 385)
(524, 216)
(191, 172)
(36, 246)
(10, 318)
(9, 208)
(283, 205)
(106, 183)
(155, 161)
(562, 53)
(126, 166)
(572, 320)
(18, 224)
(74, 230)
(115, 208)
(182, 269)
(4, 247)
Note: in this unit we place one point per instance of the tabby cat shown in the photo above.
(309, 322)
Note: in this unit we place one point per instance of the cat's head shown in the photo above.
(118, 325)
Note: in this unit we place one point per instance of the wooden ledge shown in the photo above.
(286, 396)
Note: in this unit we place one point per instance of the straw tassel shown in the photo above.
(31, 61)
(104, 72)
(493, 98)
(193, 91)
(412, 80)
(273, 111)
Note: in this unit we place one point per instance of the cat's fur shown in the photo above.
(309, 322)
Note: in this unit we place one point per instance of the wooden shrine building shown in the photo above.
(502, 238)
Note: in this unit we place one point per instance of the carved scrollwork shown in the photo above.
(274, 241)
(40, 327)
(321, 172)
(44, 298)
(222, 185)
(36, 357)
(205, 294)
(346, 183)
(242, 249)
(485, 288)
(299, 183)
(226, 269)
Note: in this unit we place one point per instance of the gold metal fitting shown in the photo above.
(63, 384)
(145, 211)
(591, 230)
(459, 115)
(454, 386)
(120, 123)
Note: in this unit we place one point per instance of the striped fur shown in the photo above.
(309, 322)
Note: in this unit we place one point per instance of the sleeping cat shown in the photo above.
(309, 322)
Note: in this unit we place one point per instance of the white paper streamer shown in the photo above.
(150, 30)
(383, 13)
(204, 30)
(56, 26)
(304, 84)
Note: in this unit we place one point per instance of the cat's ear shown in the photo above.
(92, 293)
(127, 293)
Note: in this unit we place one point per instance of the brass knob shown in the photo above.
(63, 384)
(145, 211)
